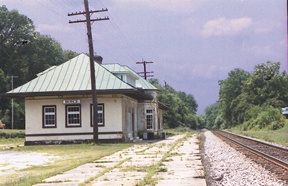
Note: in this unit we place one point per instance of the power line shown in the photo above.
(120, 34)
(60, 15)
(114, 39)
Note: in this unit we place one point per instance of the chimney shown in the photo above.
(98, 59)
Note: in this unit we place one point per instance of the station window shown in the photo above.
(49, 116)
(73, 116)
(100, 109)
(149, 119)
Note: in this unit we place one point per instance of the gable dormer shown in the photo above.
(127, 77)
(122, 73)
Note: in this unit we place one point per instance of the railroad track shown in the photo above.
(275, 154)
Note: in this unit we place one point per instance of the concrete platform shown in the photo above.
(183, 170)
(186, 167)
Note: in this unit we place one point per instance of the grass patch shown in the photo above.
(275, 136)
(100, 166)
(177, 131)
(162, 169)
(103, 161)
(57, 181)
(8, 133)
(12, 131)
(135, 168)
(142, 151)
(11, 142)
(177, 154)
(72, 157)
(167, 160)
(4, 164)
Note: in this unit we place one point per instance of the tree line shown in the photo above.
(23, 53)
(183, 107)
(252, 100)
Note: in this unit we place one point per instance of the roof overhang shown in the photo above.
(162, 106)
(133, 93)
(125, 72)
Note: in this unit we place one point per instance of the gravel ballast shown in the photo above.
(226, 166)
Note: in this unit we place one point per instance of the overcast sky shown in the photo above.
(193, 43)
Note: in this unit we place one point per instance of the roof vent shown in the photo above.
(98, 59)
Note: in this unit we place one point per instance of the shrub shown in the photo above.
(245, 126)
(277, 125)
(263, 117)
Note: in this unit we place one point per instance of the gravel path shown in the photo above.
(229, 167)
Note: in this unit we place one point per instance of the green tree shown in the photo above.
(4, 102)
(19, 115)
(171, 118)
(15, 28)
(189, 101)
(182, 107)
(16, 31)
(68, 54)
(259, 117)
(200, 121)
(42, 53)
(230, 89)
(191, 121)
(211, 113)
(266, 84)
(23, 53)
(241, 94)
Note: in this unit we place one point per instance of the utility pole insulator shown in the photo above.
(84, 21)
(145, 72)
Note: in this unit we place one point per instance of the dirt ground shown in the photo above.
(11, 161)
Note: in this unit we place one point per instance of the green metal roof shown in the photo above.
(73, 75)
(140, 82)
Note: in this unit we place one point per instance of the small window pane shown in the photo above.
(149, 118)
(149, 111)
(49, 109)
(49, 116)
(73, 115)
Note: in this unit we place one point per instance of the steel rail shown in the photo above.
(272, 159)
(258, 141)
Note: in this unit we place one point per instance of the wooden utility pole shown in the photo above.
(145, 72)
(165, 86)
(92, 67)
(12, 80)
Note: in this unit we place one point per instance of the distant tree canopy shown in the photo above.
(182, 108)
(23, 53)
(242, 93)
